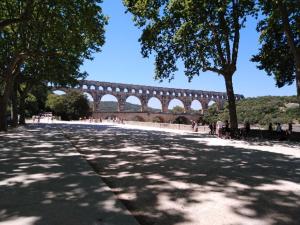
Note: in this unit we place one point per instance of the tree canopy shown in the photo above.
(70, 106)
(47, 40)
(203, 34)
(279, 54)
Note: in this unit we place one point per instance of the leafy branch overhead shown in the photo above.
(204, 34)
(50, 38)
(279, 54)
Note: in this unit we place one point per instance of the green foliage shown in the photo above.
(260, 110)
(212, 114)
(70, 106)
(47, 41)
(177, 109)
(31, 105)
(276, 53)
(203, 34)
(54, 37)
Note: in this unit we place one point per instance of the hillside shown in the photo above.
(262, 110)
(110, 106)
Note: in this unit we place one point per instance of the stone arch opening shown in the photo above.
(100, 88)
(181, 120)
(158, 119)
(154, 105)
(125, 90)
(92, 87)
(109, 89)
(212, 103)
(176, 106)
(108, 103)
(90, 98)
(133, 104)
(84, 87)
(117, 89)
(196, 106)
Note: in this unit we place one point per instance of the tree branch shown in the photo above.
(218, 45)
(236, 40)
(287, 29)
(226, 31)
(23, 17)
(212, 69)
(7, 22)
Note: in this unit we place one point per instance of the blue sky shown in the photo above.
(121, 61)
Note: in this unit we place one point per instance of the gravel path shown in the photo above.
(45, 181)
(168, 178)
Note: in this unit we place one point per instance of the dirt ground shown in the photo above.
(168, 178)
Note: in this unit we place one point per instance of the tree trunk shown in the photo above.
(4, 103)
(8, 77)
(231, 103)
(3, 106)
(291, 42)
(14, 101)
(22, 109)
(14, 105)
(298, 79)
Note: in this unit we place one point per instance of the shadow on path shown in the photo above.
(43, 180)
(168, 179)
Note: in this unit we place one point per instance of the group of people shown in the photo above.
(279, 130)
(222, 130)
(91, 119)
(47, 117)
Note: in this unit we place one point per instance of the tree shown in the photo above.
(280, 39)
(204, 34)
(55, 103)
(55, 36)
(70, 106)
(7, 19)
(177, 109)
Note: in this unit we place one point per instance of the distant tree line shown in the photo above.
(260, 110)
(70, 106)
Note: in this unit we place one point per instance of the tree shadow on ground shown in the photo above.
(166, 178)
(43, 180)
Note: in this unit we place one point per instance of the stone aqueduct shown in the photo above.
(144, 93)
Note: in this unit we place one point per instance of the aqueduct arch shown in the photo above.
(144, 93)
